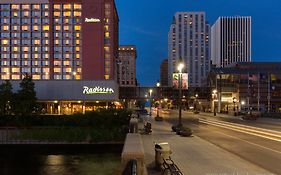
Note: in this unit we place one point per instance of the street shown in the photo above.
(256, 141)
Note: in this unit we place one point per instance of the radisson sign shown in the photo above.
(92, 20)
(97, 90)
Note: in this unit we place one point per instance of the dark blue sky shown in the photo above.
(145, 23)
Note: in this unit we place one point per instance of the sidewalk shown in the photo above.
(193, 155)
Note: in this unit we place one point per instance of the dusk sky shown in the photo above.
(145, 23)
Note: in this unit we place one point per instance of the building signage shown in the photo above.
(92, 20)
(97, 90)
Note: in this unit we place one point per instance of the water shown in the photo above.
(79, 164)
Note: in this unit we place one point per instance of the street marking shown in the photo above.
(239, 129)
(251, 143)
(256, 130)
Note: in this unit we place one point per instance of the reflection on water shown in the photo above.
(105, 164)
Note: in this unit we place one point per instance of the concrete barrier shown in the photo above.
(133, 150)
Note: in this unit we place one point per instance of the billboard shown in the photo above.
(184, 80)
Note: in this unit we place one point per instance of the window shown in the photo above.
(15, 7)
(35, 28)
(36, 7)
(77, 6)
(77, 27)
(76, 14)
(36, 77)
(57, 6)
(5, 28)
(15, 70)
(57, 28)
(26, 13)
(5, 41)
(66, 14)
(56, 14)
(15, 77)
(46, 28)
(66, 28)
(57, 70)
(25, 28)
(67, 6)
(25, 7)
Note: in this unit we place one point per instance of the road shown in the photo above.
(256, 141)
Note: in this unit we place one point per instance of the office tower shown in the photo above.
(231, 40)
(126, 66)
(188, 40)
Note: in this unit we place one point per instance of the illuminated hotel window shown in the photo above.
(77, 27)
(36, 7)
(5, 42)
(25, 7)
(15, 49)
(77, 6)
(79, 70)
(77, 35)
(57, 63)
(66, 42)
(67, 6)
(66, 63)
(5, 77)
(45, 6)
(46, 14)
(6, 70)
(25, 55)
(15, 63)
(26, 13)
(46, 42)
(106, 34)
(106, 20)
(77, 49)
(57, 27)
(77, 13)
(15, 70)
(45, 49)
(106, 28)
(15, 77)
(35, 28)
(77, 56)
(36, 77)
(66, 28)
(57, 70)
(106, 49)
(77, 63)
(15, 27)
(25, 28)
(107, 56)
(46, 70)
(46, 56)
(16, 14)
(36, 42)
(5, 49)
(77, 42)
(77, 77)
(66, 77)
(45, 63)
(56, 14)
(106, 77)
(66, 14)
(107, 63)
(46, 77)
(57, 6)
(4, 63)
(68, 70)
(15, 7)
(45, 27)
(5, 28)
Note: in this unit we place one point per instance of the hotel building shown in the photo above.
(188, 42)
(231, 40)
(164, 73)
(65, 45)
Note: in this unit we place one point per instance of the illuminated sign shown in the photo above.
(97, 90)
(184, 79)
(92, 20)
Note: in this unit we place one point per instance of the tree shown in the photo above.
(6, 95)
(26, 97)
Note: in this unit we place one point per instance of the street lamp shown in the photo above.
(195, 105)
(180, 67)
(158, 96)
(150, 96)
(214, 95)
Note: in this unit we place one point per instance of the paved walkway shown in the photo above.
(195, 156)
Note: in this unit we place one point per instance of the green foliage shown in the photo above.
(97, 126)
(26, 97)
(6, 99)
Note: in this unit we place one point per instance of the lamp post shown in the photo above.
(150, 96)
(158, 95)
(214, 95)
(180, 67)
(195, 105)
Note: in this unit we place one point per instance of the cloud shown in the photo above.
(142, 31)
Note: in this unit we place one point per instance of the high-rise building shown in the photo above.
(231, 40)
(189, 43)
(69, 47)
(126, 66)
(164, 73)
(58, 40)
